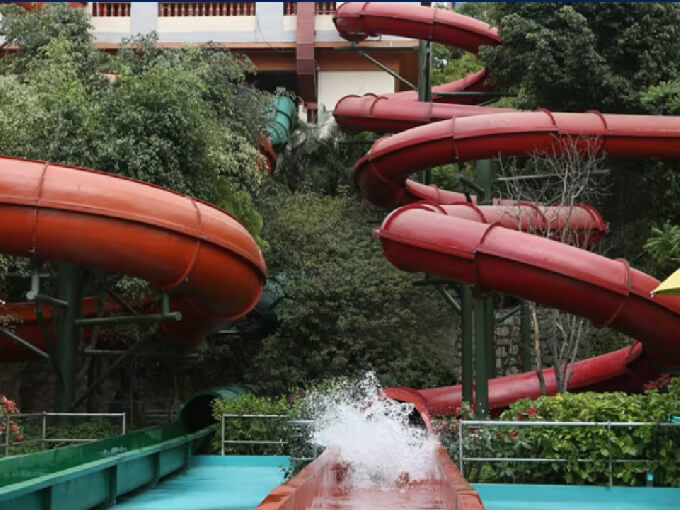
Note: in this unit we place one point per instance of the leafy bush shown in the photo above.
(252, 429)
(658, 447)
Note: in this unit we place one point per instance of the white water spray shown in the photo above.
(373, 435)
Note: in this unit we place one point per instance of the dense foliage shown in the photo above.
(346, 308)
(182, 119)
(657, 446)
(578, 56)
(613, 57)
(255, 429)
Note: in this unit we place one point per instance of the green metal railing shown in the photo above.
(607, 425)
(44, 440)
(298, 424)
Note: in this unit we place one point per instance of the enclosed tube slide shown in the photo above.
(200, 254)
(467, 244)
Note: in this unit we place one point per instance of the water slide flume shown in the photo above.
(322, 485)
(270, 143)
(381, 174)
(443, 241)
(199, 253)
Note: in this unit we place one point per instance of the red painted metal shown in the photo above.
(608, 292)
(385, 114)
(457, 242)
(181, 245)
(320, 485)
(626, 369)
(356, 21)
(382, 172)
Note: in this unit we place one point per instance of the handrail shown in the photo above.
(44, 440)
(280, 442)
(509, 423)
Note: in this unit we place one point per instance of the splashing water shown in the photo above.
(373, 435)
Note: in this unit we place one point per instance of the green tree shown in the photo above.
(183, 119)
(346, 309)
(614, 57)
(578, 56)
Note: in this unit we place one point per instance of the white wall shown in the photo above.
(335, 84)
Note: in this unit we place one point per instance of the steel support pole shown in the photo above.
(525, 336)
(485, 351)
(490, 336)
(425, 85)
(68, 336)
(467, 347)
(485, 178)
(481, 363)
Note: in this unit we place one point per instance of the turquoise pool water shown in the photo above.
(576, 497)
(213, 483)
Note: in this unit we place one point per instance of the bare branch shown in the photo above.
(546, 206)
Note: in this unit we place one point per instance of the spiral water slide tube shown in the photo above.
(467, 244)
(199, 253)
(272, 141)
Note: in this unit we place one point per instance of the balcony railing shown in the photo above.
(324, 7)
(110, 9)
(290, 8)
(173, 9)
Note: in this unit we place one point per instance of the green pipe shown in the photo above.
(481, 364)
(282, 113)
(69, 290)
(467, 348)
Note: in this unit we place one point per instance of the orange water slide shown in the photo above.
(200, 254)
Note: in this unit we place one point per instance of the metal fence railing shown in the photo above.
(477, 425)
(44, 438)
(292, 428)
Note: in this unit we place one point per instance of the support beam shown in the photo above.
(425, 86)
(23, 342)
(129, 319)
(481, 363)
(525, 336)
(467, 347)
(387, 69)
(68, 336)
(425, 71)
(114, 366)
(490, 336)
(485, 178)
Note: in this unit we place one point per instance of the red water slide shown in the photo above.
(202, 255)
(475, 249)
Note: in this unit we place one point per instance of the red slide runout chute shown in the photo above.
(626, 369)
